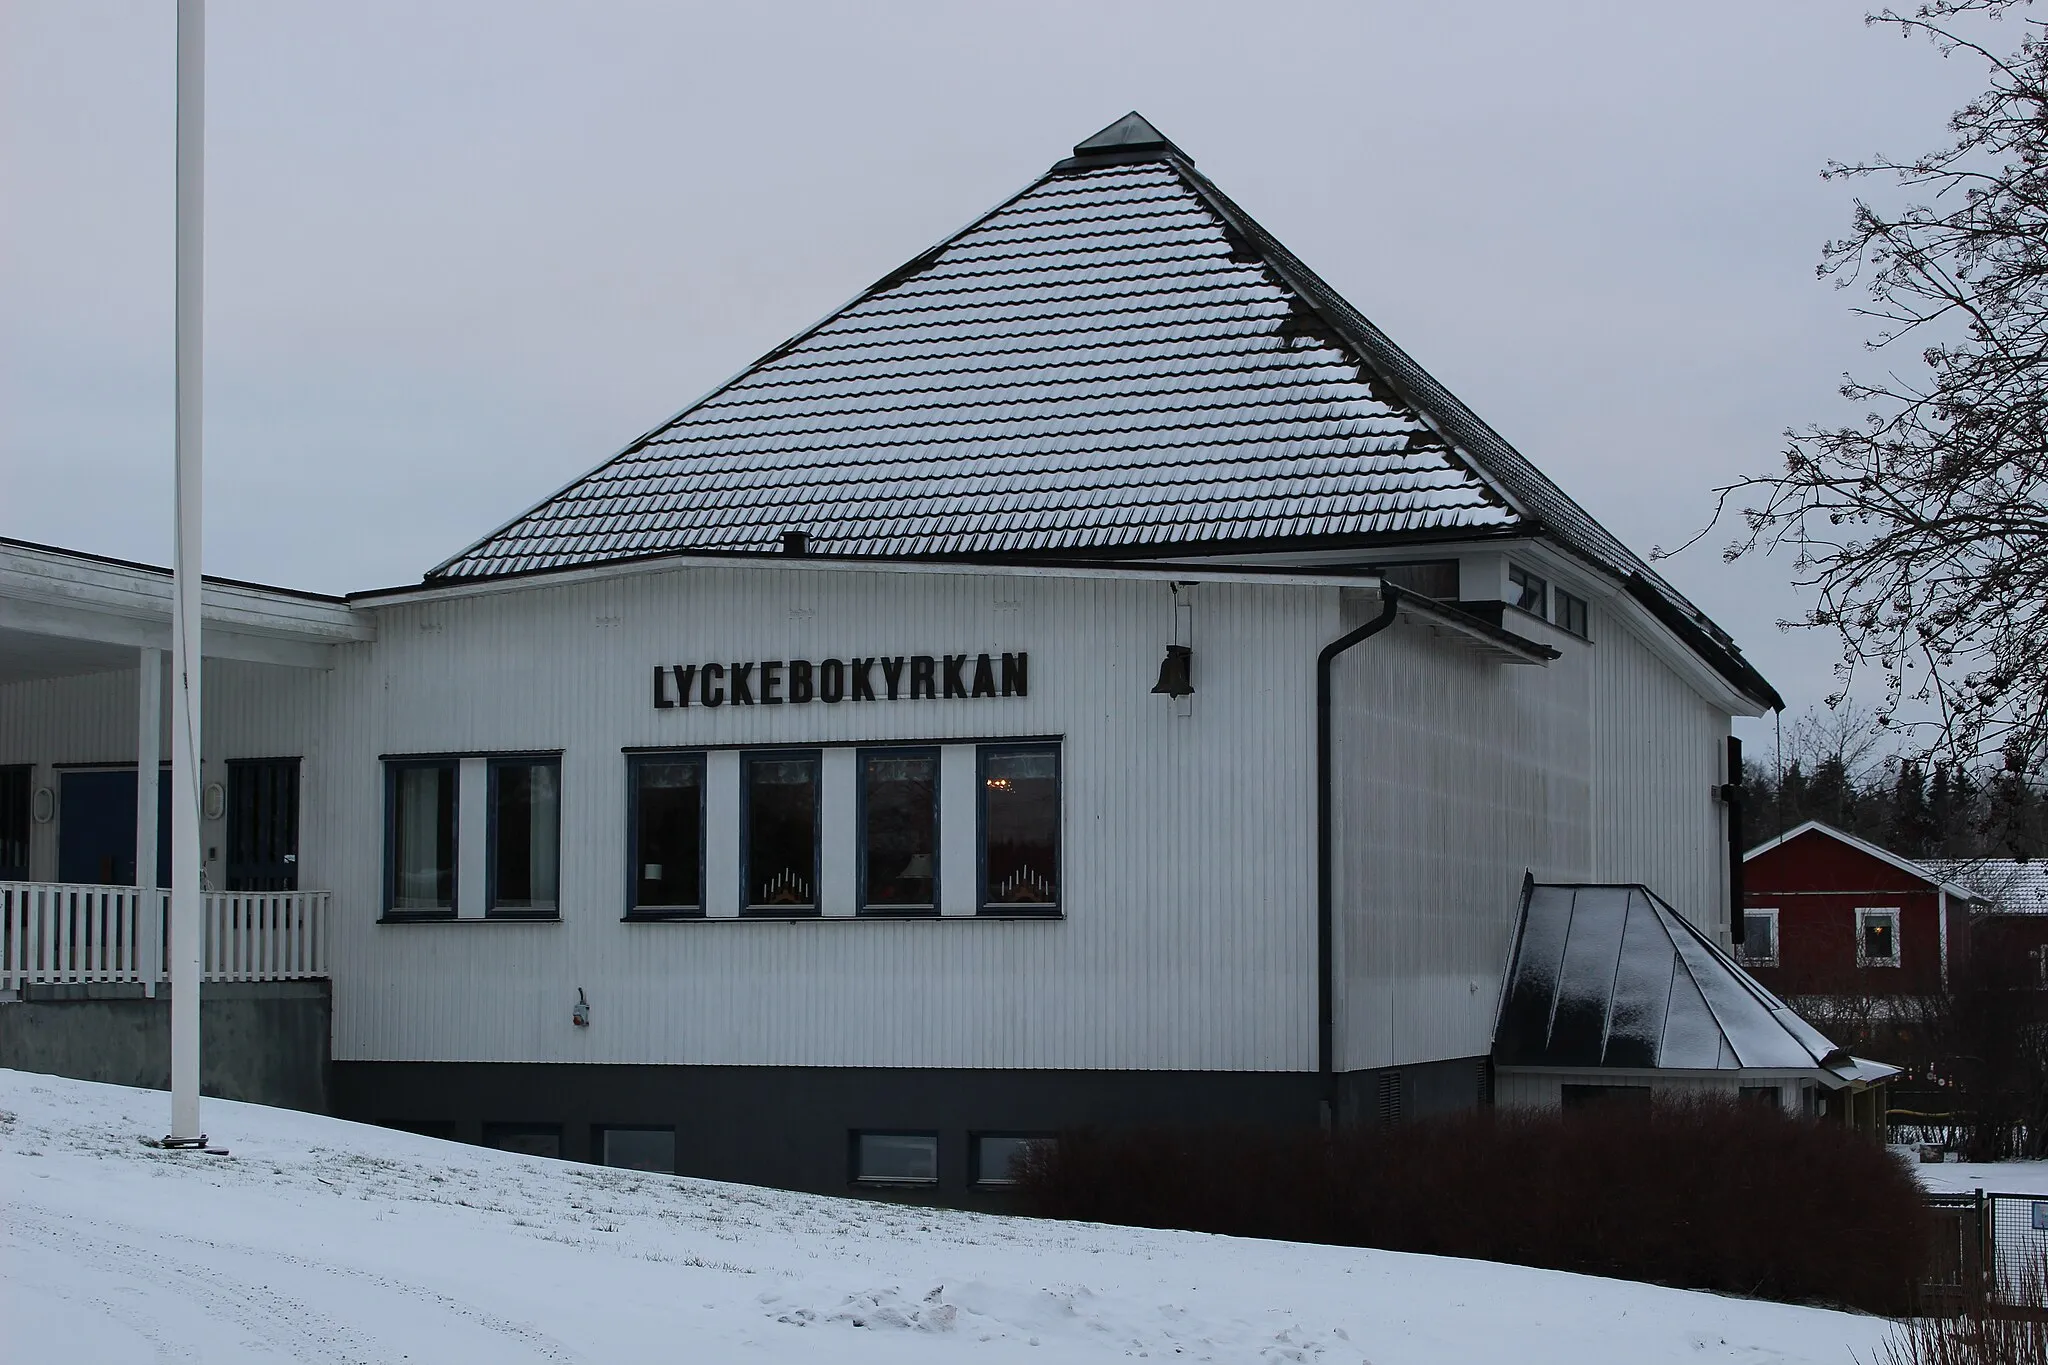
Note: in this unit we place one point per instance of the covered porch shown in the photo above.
(84, 782)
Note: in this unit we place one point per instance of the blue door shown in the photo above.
(96, 827)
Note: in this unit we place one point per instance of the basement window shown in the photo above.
(1877, 938)
(638, 1149)
(999, 1156)
(895, 1158)
(899, 831)
(527, 1139)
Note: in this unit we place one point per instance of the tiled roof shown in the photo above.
(1116, 362)
(2013, 886)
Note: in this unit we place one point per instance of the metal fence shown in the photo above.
(1991, 1245)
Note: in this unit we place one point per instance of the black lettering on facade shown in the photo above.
(1017, 675)
(984, 677)
(831, 680)
(771, 683)
(892, 674)
(800, 690)
(742, 684)
(707, 694)
(924, 680)
(661, 701)
(911, 677)
(685, 674)
(956, 685)
(863, 679)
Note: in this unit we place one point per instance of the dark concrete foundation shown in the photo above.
(792, 1127)
(261, 1041)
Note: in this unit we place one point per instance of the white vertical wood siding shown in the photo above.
(1188, 846)
(1456, 776)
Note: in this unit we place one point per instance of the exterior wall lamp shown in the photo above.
(1176, 673)
(580, 1015)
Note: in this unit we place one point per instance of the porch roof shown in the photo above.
(65, 612)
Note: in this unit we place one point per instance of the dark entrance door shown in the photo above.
(14, 822)
(96, 827)
(263, 824)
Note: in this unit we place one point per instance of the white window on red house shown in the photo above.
(1877, 938)
(1760, 938)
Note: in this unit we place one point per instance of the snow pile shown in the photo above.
(324, 1241)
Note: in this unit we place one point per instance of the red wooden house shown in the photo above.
(1828, 914)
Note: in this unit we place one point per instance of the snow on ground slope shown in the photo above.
(324, 1241)
(1993, 1177)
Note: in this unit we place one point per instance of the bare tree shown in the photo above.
(1923, 530)
(1846, 734)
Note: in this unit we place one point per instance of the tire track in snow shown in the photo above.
(301, 1332)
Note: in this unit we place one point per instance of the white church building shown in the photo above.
(1095, 676)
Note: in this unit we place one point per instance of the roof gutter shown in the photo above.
(1326, 988)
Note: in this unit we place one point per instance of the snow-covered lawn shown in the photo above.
(318, 1240)
(1993, 1177)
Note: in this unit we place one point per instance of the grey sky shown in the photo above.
(460, 252)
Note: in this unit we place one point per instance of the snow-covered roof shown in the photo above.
(1116, 362)
(1611, 976)
(1929, 870)
(2011, 886)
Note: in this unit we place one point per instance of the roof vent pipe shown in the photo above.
(796, 542)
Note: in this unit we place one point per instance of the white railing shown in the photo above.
(61, 933)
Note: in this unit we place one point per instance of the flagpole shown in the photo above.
(185, 580)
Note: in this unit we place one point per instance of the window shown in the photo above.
(1759, 938)
(1526, 590)
(1877, 938)
(1578, 1097)
(14, 823)
(420, 834)
(896, 1158)
(780, 828)
(1766, 1095)
(639, 1149)
(899, 831)
(1020, 829)
(997, 1156)
(1569, 612)
(526, 835)
(666, 796)
(528, 1139)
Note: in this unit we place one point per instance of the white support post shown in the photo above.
(185, 650)
(149, 713)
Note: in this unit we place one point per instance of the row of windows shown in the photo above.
(896, 818)
(874, 1157)
(1877, 937)
(1535, 595)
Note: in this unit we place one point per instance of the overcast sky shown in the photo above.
(458, 253)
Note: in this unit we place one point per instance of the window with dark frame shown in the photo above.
(1527, 591)
(1020, 828)
(1569, 612)
(15, 797)
(527, 1139)
(1766, 1095)
(420, 836)
(895, 1158)
(667, 823)
(638, 1149)
(525, 836)
(998, 1157)
(899, 831)
(779, 792)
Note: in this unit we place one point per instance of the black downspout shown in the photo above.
(1731, 794)
(1326, 991)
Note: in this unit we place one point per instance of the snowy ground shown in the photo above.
(1993, 1177)
(324, 1241)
